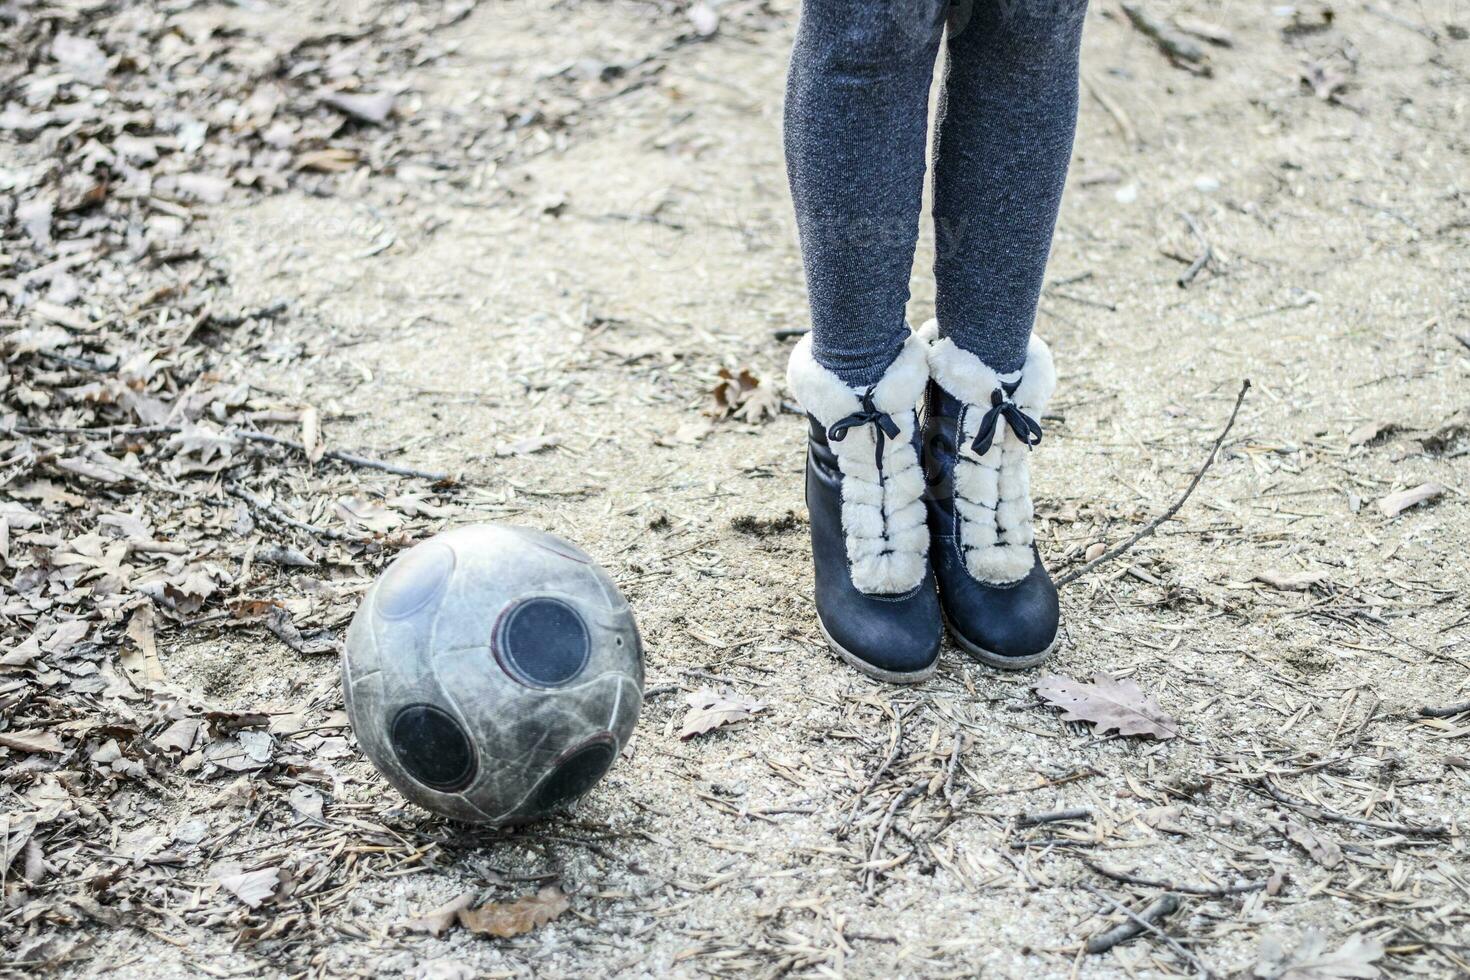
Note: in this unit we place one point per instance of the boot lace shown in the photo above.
(1027, 429)
(883, 426)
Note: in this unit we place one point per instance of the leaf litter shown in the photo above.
(158, 489)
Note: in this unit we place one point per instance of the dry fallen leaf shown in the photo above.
(504, 919)
(1109, 704)
(743, 395)
(316, 640)
(307, 802)
(31, 741)
(687, 434)
(369, 515)
(1370, 432)
(436, 921)
(760, 405)
(140, 660)
(369, 107)
(181, 736)
(527, 447)
(1396, 503)
(1319, 846)
(709, 710)
(1311, 961)
(1165, 818)
(252, 887)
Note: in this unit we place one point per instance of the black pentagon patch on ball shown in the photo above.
(578, 773)
(542, 642)
(433, 748)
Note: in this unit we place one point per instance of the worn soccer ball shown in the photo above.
(493, 673)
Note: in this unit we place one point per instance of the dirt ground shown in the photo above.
(538, 299)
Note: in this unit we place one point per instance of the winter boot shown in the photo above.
(875, 595)
(979, 428)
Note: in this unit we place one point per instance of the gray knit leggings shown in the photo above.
(856, 119)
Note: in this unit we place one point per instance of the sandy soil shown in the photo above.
(588, 287)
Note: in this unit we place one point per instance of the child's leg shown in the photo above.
(856, 108)
(1002, 144)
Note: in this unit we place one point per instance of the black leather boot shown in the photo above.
(875, 597)
(979, 429)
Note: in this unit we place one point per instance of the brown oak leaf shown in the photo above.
(709, 710)
(1108, 703)
(1310, 960)
(503, 919)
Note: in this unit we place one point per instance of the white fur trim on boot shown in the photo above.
(883, 513)
(993, 492)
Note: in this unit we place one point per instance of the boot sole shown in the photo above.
(877, 673)
(996, 660)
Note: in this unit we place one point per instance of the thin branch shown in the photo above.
(1208, 891)
(1163, 906)
(893, 752)
(1206, 252)
(271, 512)
(893, 808)
(1151, 928)
(1125, 125)
(949, 770)
(1053, 816)
(1331, 816)
(1153, 525)
(1448, 711)
(352, 459)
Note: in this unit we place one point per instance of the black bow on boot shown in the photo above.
(875, 597)
(979, 429)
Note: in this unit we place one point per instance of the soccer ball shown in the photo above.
(493, 673)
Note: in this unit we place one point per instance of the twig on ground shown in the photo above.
(352, 459)
(1050, 842)
(1210, 891)
(1448, 711)
(1331, 816)
(1046, 783)
(898, 801)
(893, 750)
(1423, 30)
(1151, 928)
(1368, 717)
(949, 770)
(1163, 906)
(1125, 125)
(1053, 816)
(1206, 252)
(1153, 525)
(274, 514)
(1179, 49)
(79, 363)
